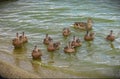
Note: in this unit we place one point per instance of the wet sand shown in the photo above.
(9, 71)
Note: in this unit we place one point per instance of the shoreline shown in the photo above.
(9, 71)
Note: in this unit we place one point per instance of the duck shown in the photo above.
(17, 42)
(56, 45)
(66, 32)
(36, 53)
(110, 37)
(89, 36)
(47, 39)
(23, 38)
(84, 25)
(69, 48)
(76, 42)
(51, 47)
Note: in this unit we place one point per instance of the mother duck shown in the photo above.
(84, 25)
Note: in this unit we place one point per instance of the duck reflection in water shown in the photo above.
(112, 45)
(19, 55)
(36, 65)
(51, 55)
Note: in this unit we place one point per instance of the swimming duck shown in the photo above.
(110, 37)
(36, 53)
(76, 42)
(51, 47)
(56, 45)
(69, 48)
(89, 36)
(83, 25)
(47, 39)
(24, 38)
(16, 42)
(66, 32)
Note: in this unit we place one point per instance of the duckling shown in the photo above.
(56, 45)
(24, 38)
(76, 42)
(69, 48)
(16, 42)
(47, 39)
(36, 53)
(83, 25)
(66, 32)
(110, 37)
(51, 46)
(89, 37)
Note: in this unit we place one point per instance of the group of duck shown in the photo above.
(19, 41)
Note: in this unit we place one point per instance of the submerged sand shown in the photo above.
(9, 71)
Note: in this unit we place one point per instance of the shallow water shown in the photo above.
(99, 58)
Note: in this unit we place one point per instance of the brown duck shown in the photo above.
(53, 46)
(17, 42)
(110, 37)
(56, 45)
(83, 25)
(89, 36)
(66, 32)
(36, 53)
(47, 39)
(69, 48)
(76, 42)
(24, 38)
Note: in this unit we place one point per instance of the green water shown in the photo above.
(99, 58)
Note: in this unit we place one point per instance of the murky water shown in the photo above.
(99, 58)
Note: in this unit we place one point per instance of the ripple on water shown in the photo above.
(37, 17)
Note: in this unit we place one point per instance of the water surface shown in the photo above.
(99, 58)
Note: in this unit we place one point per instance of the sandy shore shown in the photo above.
(9, 71)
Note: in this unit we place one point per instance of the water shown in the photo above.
(99, 58)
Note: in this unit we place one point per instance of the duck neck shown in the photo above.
(46, 35)
(87, 32)
(23, 34)
(111, 32)
(35, 48)
(17, 35)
